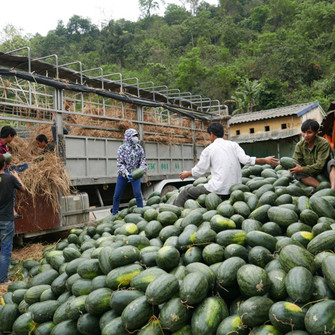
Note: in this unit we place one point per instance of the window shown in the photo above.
(267, 128)
(283, 126)
(237, 132)
(252, 130)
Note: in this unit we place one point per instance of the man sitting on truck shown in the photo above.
(313, 156)
(43, 143)
(223, 159)
(8, 183)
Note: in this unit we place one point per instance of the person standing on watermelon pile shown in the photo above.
(313, 155)
(223, 159)
(130, 156)
(8, 184)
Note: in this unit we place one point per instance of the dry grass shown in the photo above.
(47, 177)
(32, 251)
(170, 130)
(3, 289)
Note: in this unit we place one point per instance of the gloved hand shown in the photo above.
(130, 178)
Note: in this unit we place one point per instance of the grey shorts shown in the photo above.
(325, 171)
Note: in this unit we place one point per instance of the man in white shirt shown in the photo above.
(223, 159)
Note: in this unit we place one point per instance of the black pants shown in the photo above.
(193, 193)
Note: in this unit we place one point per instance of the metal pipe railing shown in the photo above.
(148, 86)
(29, 66)
(102, 83)
(137, 83)
(50, 56)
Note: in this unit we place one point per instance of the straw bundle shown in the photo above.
(47, 177)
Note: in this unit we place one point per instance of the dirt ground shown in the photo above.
(32, 248)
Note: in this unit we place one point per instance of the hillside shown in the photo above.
(255, 54)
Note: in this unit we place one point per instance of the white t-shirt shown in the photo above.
(222, 158)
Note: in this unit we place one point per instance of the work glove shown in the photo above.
(130, 178)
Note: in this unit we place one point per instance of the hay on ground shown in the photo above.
(33, 251)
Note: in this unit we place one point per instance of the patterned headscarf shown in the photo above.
(129, 133)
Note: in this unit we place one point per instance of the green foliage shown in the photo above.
(147, 6)
(175, 15)
(246, 96)
(191, 71)
(12, 38)
(283, 50)
(271, 94)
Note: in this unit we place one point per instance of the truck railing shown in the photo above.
(62, 69)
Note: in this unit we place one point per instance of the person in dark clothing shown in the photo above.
(7, 135)
(8, 184)
(43, 143)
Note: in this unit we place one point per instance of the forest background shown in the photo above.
(250, 54)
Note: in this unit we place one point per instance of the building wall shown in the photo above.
(316, 113)
(274, 128)
(281, 148)
(291, 122)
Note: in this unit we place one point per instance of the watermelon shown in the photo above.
(286, 316)
(137, 173)
(320, 318)
(255, 310)
(253, 280)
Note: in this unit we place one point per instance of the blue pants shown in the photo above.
(7, 229)
(121, 183)
(18, 168)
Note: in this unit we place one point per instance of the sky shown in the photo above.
(40, 16)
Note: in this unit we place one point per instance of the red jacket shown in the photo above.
(3, 147)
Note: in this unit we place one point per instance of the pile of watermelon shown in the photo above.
(261, 262)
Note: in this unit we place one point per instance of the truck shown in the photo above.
(36, 93)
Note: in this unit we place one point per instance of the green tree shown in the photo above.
(175, 15)
(259, 16)
(271, 94)
(191, 72)
(147, 7)
(12, 38)
(246, 96)
(282, 12)
(117, 41)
